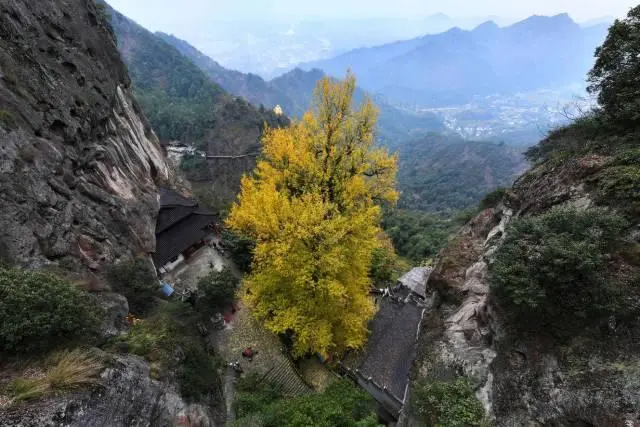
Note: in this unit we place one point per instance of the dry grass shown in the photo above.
(66, 370)
(22, 388)
(72, 369)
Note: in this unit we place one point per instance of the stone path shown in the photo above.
(270, 361)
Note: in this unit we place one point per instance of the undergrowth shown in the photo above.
(62, 371)
(168, 338)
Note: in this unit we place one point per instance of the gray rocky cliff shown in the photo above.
(79, 170)
(525, 380)
(79, 164)
(125, 396)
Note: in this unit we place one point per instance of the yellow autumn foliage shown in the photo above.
(312, 205)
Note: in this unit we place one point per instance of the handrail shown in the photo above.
(393, 403)
(241, 156)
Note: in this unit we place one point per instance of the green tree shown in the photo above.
(198, 375)
(418, 236)
(446, 404)
(614, 76)
(218, 289)
(136, 281)
(240, 249)
(492, 199)
(254, 394)
(39, 311)
(383, 264)
(342, 404)
(195, 167)
(553, 271)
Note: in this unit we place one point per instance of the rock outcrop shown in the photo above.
(527, 379)
(124, 397)
(79, 164)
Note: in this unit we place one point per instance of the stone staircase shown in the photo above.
(286, 377)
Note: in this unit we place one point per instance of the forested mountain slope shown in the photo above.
(293, 91)
(440, 173)
(249, 86)
(182, 102)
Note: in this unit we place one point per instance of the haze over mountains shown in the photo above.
(467, 86)
(452, 67)
(272, 47)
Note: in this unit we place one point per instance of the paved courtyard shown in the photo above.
(198, 265)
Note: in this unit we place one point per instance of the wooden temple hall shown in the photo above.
(181, 229)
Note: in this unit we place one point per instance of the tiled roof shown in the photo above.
(416, 280)
(170, 216)
(390, 350)
(182, 235)
(180, 225)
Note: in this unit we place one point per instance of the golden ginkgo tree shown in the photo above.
(313, 207)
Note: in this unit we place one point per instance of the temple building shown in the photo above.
(181, 229)
(382, 367)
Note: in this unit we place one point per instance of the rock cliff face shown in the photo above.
(79, 169)
(78, 162)
(124, 397)
(526, 380)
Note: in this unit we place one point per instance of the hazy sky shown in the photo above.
(171, 15)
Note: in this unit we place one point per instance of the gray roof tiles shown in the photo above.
(416, 280)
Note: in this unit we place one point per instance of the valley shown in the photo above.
(277, 213)
(519, 119)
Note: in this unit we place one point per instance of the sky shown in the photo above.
(172, 15)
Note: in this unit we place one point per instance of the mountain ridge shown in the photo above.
(454, 66)
(293, 91)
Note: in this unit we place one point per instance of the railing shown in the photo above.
(385, 397)
(213, 157)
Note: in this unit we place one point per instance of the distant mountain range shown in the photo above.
(270, 46)
(453, 67)
(188, 96)
(293, 91)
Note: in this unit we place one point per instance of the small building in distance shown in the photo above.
(278, 110)
(176, 150)
(182, 228)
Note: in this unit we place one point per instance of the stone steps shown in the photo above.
(286, 378)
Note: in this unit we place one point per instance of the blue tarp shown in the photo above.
(167, 289)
